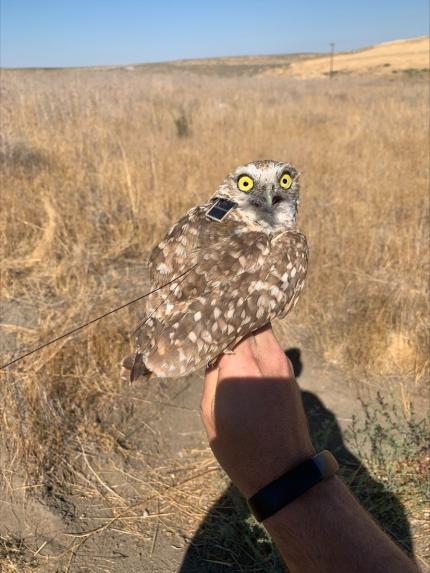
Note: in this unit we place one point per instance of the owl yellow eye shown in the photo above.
(285, 181)
(245, 183)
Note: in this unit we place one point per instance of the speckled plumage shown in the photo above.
(240, 273)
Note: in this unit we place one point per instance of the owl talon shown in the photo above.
(212, 363)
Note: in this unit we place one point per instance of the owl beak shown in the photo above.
(268, 194)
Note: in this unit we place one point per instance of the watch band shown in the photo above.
(291, 485)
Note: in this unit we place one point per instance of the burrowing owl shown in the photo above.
(240, 262)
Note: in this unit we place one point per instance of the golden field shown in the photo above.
(383, 59)
(96, 164)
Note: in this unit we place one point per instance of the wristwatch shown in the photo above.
(291, 485)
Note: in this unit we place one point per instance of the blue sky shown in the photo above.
(95, 32)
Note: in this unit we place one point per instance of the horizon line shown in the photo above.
(184, 60)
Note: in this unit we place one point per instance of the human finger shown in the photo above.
(270, 357)
(208, 399)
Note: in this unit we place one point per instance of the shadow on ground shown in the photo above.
(230, 540)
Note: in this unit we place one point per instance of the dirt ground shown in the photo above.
(76, 532)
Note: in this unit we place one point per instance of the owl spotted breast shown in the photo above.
(233, 263)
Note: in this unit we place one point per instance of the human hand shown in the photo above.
(253, 414)
(257, 429)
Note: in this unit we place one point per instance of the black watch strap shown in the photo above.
(291, 485)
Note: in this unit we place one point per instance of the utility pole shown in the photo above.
(331, 60)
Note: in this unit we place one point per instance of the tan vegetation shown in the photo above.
(96, 166)
(390, 57)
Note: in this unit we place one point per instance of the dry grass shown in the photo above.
(15, 557)
(94, 171)
(97, 164)
(410, 56)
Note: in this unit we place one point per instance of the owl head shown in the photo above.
(267, 192)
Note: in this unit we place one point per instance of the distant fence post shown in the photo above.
(331, 60)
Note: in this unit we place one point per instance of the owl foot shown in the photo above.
(212, 363)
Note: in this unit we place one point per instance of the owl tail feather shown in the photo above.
(135, 365)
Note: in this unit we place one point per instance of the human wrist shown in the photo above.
(302, 529)
(292, 484)
(297, 513)
(252, 481)
(326, 530)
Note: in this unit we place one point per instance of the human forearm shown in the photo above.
(304, 532)
(256, 425)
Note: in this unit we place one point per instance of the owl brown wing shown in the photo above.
(207, 254)
(197, 248)
(240, 282)
(178, 250)
(291, 254)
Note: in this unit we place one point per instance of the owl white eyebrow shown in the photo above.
(92, 321)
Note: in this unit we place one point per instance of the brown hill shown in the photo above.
(397, 56)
